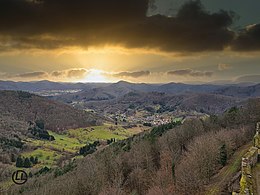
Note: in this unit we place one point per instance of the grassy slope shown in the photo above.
(46, 156)
(219, 181)
(48, 152)
(99, 133)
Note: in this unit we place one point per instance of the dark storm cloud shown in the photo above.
(189, 72)
(248, 39)
(132, 74)
(32, 75)
(84, 23)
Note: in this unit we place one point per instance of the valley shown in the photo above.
(129, 97)
(66, 145)
(53, 131)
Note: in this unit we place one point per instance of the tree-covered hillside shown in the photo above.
(23, 107)
(177, 159)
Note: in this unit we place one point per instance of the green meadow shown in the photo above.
(69, 142)
(45, 156)
(91, 134)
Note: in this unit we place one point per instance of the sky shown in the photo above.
(156, 41)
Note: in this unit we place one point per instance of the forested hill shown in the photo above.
(171, 159)
(17, 108)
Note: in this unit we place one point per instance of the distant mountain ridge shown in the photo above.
(240, 91)
(176, 88)
(110, 91)
(200, 102)
(119, 89)
(46, 85)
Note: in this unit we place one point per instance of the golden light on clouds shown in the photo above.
(96, 76)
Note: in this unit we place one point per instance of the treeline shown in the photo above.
(181, 160)
(92, 147)
(14, 142)
(38, 130)
(110, 141)
(26, 162)
(161, 129)
(89, 148)
(10, 147)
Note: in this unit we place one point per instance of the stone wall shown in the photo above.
(249, 160)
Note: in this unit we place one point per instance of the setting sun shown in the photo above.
(96, 76)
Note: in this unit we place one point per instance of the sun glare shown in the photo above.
(96, 76)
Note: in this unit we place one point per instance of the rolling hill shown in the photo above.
(46, 85)
(18, 107)
(200, 102)
(169, 159)
(121, 88)
(240, 91)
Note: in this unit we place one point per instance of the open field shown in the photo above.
(98, 133)
(45, 156)
(69, 143)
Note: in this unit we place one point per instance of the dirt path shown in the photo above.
(220, 180)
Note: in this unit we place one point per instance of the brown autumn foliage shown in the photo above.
(17, 108)
(21, 107)
(146, 167)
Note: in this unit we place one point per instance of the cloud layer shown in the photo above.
(70, 74)
(132, 74)
(190, 73)
(82, 75)
(32, 75)
(52, 24)
(223, 67)
(248, 78)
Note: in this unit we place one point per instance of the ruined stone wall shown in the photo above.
(249, 160)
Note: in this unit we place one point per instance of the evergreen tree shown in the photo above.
(27, 163)
(223, 155)
(30, 174)
(32, 160)
(51, 138)
(40, 124)
(173, 171)
(19, 162)
(36, 160)
(13, 157)
(43, 171)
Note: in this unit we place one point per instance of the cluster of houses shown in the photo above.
(154, 120)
